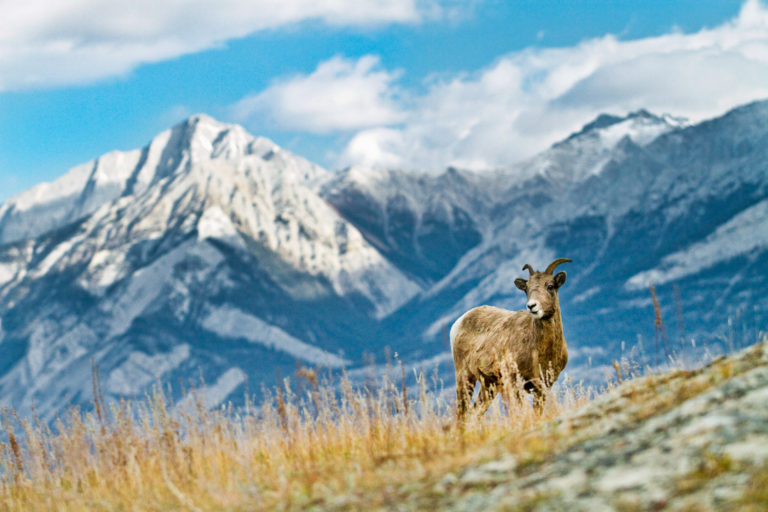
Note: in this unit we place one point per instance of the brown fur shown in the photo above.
(496, 346)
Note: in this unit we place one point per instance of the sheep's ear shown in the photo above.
(521, 283)
(559, 279)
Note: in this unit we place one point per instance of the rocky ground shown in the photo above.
(686, 440)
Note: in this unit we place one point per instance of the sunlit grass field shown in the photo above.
(317, 441)
(311, 442)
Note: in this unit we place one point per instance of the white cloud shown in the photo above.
(529, 99)
(340, 95)
(45, 43)
(377, 147)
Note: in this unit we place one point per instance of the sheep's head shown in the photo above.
(541, 289)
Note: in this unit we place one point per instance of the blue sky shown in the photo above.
(412, 83)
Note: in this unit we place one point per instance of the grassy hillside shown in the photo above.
(682, 440)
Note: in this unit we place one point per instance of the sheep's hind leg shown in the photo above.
(465, 387)
(485, 397)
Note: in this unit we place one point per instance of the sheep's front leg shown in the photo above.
(539, 393)
(512, 397)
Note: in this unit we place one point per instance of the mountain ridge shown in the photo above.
(210, 248)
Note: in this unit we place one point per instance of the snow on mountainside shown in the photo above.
(531, 196)
(587, 152)
(220, 243)
(745, 234)
(86, 187)
(620, 197)
(214, 252)
(77, 193)
(537, 185)
(205, 169)
(670, 204)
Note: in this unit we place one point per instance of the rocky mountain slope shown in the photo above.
(212, 253)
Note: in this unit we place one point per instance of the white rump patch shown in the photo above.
(455, 329)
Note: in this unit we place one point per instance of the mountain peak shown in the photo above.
(84, 188)
(641, 125)
(586, 152)
(601, 121)
(201, 137)
(202, 118)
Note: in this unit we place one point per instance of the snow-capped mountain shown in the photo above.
(214, 253)
(647, 205)
(632, 200)
(86, 187)
(587, 152)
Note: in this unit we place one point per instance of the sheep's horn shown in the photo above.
(530, 269)
(551, 267)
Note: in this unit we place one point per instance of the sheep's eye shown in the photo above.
(550, 287)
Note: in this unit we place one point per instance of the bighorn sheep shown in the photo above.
(493, 345)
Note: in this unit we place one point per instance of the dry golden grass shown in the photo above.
(318, 447)
(326, 444)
